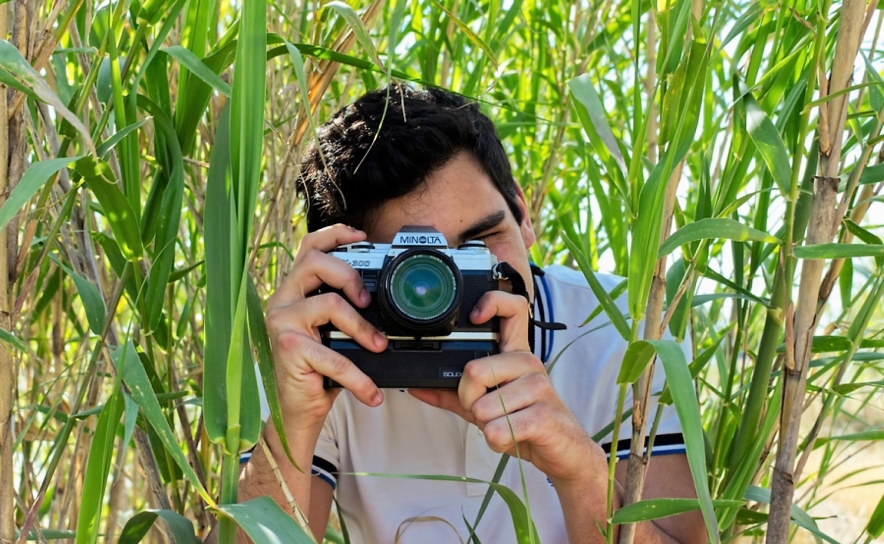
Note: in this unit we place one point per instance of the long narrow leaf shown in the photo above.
(681, 387)
(139, 524)
(36, 175)
(714, 228)
(135, 378)
(98, 470)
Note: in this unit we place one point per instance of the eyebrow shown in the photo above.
(488, 222)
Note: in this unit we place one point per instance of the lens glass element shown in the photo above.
(423, 287)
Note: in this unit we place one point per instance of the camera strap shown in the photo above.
(505, 271)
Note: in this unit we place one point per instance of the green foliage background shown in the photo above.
(147, 220)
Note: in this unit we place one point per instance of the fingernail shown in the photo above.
(364, 297)
(377, 398)
(379, 339)
(475, 313)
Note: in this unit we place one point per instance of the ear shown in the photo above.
(525, 227)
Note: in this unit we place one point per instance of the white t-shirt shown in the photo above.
(407, 437)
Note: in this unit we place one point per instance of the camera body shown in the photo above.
(422, 293)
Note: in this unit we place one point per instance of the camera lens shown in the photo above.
(423, 287)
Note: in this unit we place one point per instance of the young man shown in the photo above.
(432, 159)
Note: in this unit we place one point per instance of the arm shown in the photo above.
(525, 410)
(667, 476)
(301, 362)
(313, 496)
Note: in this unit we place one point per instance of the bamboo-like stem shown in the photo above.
(229, 477)
(820, 230)
(7, 371)
(856, 215)
(795, 365)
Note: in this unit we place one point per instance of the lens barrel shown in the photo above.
(421, 293)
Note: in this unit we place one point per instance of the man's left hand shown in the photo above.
(510, 397)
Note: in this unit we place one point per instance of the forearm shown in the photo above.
(584, 505)
(259, 478)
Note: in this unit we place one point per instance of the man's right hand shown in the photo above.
(293, 321)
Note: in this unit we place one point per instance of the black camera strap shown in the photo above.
(505, 271)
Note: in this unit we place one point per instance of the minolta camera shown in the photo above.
(422, 293)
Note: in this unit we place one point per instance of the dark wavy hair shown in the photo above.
(368, 162)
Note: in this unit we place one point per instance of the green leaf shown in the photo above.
(168, 222)
(198, 68)
(93, 303)
(799, 516)
(714, 228)
(105, 147)
(135, 377)
(847, 388)
(592, 115)
(681, 387)
(15, 342)
(358, 29)
(839, 251)
(265, 522)
(636, 358)
(768, 141)
(238, 363)
(661, 508)
(873, 434)
(36, 175)
(114, 204)
(875, 527)
(468, 31)
(872, 174)
(261, 342)
(220, 233)
(140, 523)
(646, 237)
(12, 61)
(694, 368)
(98, 468)
(48, 534)
(605, 300)
(301, 77)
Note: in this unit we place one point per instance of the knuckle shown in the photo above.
(310, 258)
(534, 363)
(338, 364)
(480, 410)
(289, 342)
(473, 370)
(537, 381)
(498, 436)
(333, 301)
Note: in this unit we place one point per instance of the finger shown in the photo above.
(527, 390)
(328, 238)
(316, 269)
(313, 245)
(309, 314)
(513, 312)
(442, 398)
(298, 350)
(483, 374)
(503, 433)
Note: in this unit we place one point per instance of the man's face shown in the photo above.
(461, 202)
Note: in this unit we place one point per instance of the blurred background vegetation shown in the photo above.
(150, 205)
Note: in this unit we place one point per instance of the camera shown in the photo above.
(422, 293)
